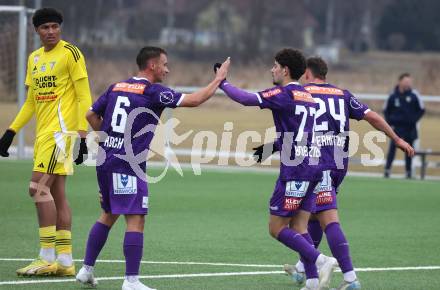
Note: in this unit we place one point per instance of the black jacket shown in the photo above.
(403, 111)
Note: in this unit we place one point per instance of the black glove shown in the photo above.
(217, 65)
(5, 142)
(82, 151)
(259, 151)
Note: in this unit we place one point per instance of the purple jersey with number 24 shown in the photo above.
(336, 107)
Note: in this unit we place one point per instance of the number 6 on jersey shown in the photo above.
(119, 114)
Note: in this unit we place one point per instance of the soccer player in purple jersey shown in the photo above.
(127, 108)
(336, 107)
(293, 200)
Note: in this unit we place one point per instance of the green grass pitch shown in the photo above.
(221, 217)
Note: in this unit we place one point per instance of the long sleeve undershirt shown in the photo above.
(240, 96)
(25, 114)
(82, 92)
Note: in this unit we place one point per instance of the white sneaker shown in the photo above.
(326, 271)
(135, 286)
(307, 288)
(355, 285)
(298, 277)
(86, 277)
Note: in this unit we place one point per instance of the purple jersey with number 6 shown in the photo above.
(130, 111)
(115, 107)
(336, 107)
(293, 110)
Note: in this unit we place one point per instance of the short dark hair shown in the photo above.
(318, 67)
(146, 53)
(294, 60)
(404, 75)
(45, 15)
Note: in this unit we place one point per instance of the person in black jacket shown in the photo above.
(403, 110)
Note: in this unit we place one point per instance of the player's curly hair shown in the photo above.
(318, 67)
(146, 53)
(45, 15)
(294, 60)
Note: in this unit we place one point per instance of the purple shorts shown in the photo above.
(122, 193)
(327, 189)
(291, 196)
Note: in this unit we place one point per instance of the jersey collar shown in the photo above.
(293, 83)
(317, 84)
(58, 45)
(139, 79)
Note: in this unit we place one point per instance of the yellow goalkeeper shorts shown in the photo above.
(53, 153)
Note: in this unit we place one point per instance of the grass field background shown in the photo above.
(221, 217)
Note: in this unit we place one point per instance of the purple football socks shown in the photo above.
(133, 247)
(339, 246)
(96, 241)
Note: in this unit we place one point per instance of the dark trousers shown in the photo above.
(392, 154)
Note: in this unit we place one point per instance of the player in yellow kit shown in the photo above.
(58, 94)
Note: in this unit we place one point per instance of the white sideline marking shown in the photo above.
(195, 275)
(396, 269)
(148, 277)
(159, 263)
(366, 269)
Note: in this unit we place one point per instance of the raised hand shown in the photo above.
(222, 71)
(217, 65)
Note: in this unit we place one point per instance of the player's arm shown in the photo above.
(78, 74)
(240, 96)
(268, 99)
(84, 98)
(94, 120)
(82, 93)
(379, 123)
(197, 98)
(95, 115)
(76, 66)
(28, 108)
(25, 114)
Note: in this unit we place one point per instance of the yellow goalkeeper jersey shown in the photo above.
(51, 78)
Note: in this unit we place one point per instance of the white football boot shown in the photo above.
(86, 277)
(298, 277)
(355, 285)
(135, 286)
(326, 269)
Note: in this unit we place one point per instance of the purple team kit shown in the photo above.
(122, 191)
(293, 111)
(336, 106)
(306, 185)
